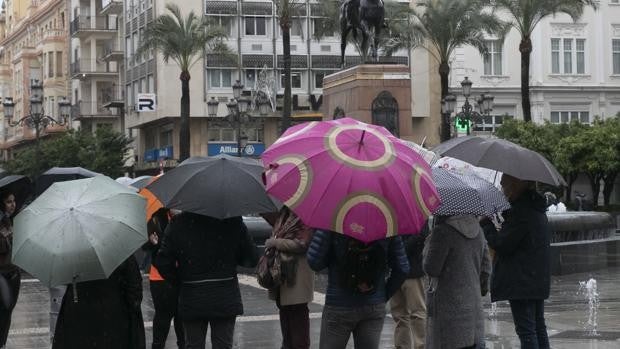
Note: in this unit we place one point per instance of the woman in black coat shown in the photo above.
(521, 269)
(8, 271)
(107, 314)
(201, 255)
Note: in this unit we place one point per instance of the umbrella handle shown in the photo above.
(74, 285)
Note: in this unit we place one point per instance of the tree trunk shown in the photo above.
(526, 49)
(285, 24)
(444, 72)
(184, 134)
(608, 187)
(595, 186)
(570, 180)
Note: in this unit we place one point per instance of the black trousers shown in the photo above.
(13, 281)
(529, 318)
(165, 299)
(222, 331)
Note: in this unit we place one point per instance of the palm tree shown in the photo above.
(184, 40)
(526, 14)
(448, 24)
(286, 10)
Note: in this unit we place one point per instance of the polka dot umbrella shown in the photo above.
(351, 177)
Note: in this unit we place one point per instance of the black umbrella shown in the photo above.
(504, 156)
(221, 186)
(61, 174)
(18, 185)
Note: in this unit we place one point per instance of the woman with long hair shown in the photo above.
(8, 270)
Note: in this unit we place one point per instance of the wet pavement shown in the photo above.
(566, 314)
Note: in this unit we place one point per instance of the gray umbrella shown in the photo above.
(467, 194)
(504, 156)
(221, 186)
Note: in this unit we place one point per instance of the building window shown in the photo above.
(59, 64)
(615, 48)
(493, 58)
(254, 134)
(318, 24)
(255, 26)
(295, 80)
(572, 60)
(297, 27)
(490, 123)
(221, 134)
(249, 77)
(165, 138)
(225, 22)
(563, 117)
(318, 79)
(50, 64)
(220, 78)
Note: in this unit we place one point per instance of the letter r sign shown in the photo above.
(146, 102)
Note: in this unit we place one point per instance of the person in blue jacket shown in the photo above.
(356, 307)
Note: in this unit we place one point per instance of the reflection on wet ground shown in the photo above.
(567, 314)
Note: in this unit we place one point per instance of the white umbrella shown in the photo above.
(79, 230)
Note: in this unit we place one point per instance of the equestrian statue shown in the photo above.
(365, 16)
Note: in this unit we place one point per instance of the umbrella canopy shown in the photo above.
(79, 230)
(467, 194)
(61, 174)
(462, 167)
(141, 182)
(152, 202)
(18, 185)
(351, 177)
(124, 180)
(221, 186)
(504, 156)
(429, 156)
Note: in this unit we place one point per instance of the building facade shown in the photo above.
(255, 38)
(33, 46)
(574, 69)
(97, 64)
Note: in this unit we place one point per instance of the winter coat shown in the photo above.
(521, 268)
(328, 250)
(414, 246)
(302, 289)
(107, 314)
(455, 256)
(201, 255)
(6, 246)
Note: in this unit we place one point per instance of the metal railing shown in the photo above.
(93, 23)
(87, 109)
(93, 66)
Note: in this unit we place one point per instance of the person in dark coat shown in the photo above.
(201, 254)
(8, 271)
(164, 294)
(408, 305)
(107, 314)
(456, 259)
(521, 270)
(347, 311)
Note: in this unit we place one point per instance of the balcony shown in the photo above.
(85, 69)
(90, 110)
(111, 98)
(111, 7)
(112, 52)
(83, 26)
(51, 35)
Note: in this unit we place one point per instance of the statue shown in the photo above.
(367, 16)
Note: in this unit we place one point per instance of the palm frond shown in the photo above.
(178, 38)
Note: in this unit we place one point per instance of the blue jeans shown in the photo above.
(529, 318)
(365, 323)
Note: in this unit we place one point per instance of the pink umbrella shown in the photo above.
(351, 177)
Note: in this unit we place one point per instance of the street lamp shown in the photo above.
(467, 113)
(239, 112)
(37, 119)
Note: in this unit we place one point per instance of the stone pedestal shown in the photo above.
(354, 90)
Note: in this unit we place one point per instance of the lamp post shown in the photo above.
(238, 112)
(37, 119)
(467, 113)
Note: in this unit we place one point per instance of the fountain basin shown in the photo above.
(583, 241)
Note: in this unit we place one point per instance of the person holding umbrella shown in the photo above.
(8, 270)
(521, 270)
(200, 254)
